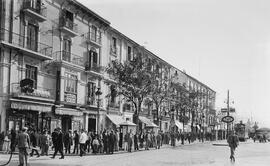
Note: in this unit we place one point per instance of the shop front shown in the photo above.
(24, 113)
(71, 119)
(147, 125)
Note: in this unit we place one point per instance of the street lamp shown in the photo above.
(98, 93)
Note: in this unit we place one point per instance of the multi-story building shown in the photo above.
(53, 56)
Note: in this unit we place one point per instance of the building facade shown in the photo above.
(53, 56)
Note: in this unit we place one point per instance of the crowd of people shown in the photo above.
(81, 142)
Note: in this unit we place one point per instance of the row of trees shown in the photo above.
(143, 80)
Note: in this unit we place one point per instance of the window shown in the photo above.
(31, 73)
(113, 93)
(32, 35)
(70, 83)
(68, 19)
(91, 92)
(114, 42)
(129, 56)
(94, 33)
(93, 58)
(66, 50)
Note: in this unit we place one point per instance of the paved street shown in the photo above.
(248, 154)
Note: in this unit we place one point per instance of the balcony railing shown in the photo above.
(39, 92)
(25, 42)
(68, 57)
(35, 7)
(92, 37)
(93, 101)
(93, 67)
(66, 23)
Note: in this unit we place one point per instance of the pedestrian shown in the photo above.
(82, 141)
(126, 137)
(6, 145)
(159, 140)
(33, 142)
(2, 138)
(116, 148)
(233, 142)
(147, 140)
(76, 142)
(58, 147)
(96, 145)
(141, 139)
(121, 140)
(44, 143)
(189, 138)
(111, 142)
(54, 137)
(130, 139)
(67, 141)
(136, 138)
(23, 142)
(12, 140)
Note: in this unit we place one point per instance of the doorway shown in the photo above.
(91, 124)
(66, 123)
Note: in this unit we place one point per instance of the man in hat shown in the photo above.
(23, 141)
(59, 144)
(82, 140)
(233, 142)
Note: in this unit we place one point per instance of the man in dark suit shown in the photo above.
(59, 144)
(23, 141)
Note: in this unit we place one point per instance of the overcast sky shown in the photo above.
(223, 43)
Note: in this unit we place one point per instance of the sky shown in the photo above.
(223, 43)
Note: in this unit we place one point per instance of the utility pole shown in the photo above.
(228, 110)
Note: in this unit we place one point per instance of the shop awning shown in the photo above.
(127, 123)
(68, 111)
(178, 124)
(147, 122)
(29, 105)
(116, 119)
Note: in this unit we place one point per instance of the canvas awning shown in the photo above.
(68, 111)
(116, 119)
(178, 124)
(147, 122)
(127, 123)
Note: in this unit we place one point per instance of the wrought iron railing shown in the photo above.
(68, 57)
(25, 42)
(35, 7)
(93, 67)
(38, 92)
(64, 22)
(93, 37)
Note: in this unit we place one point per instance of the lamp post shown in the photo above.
(98, 93)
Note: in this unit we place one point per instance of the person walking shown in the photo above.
(159, 140)
(23, 141)
(33, 141)
(130, 140)
(58, 144)
(136, 140)
(82, 140)
(233, 142)
(44, 143)
(76, 142)
(126, 137)
(111, 142)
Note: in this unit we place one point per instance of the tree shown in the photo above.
(159, 89)
(133, 81)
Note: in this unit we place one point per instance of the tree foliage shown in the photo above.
(133, 81)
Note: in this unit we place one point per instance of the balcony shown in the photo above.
(69, 59)
(92, 102)
(94, 69)
(35, 10)
(68, 27)
(39, 93)
(25, 45)
(92, 38)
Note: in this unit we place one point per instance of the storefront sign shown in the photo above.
(30, 106)
(68, 111)
(70, 98)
